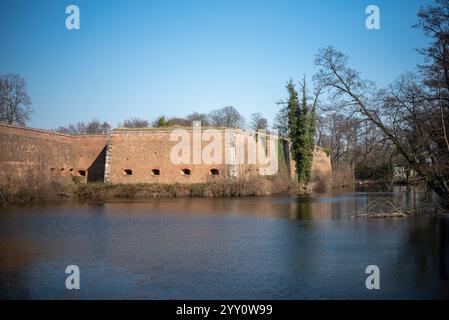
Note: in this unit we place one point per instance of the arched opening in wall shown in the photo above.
(128, 172)
(53, 169)
(156, 172)
(214, 172)
(82, 173)
(186, 171)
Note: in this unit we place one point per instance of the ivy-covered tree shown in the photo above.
(292, 120)
(301, 129)
(293, 106)
(305, 140)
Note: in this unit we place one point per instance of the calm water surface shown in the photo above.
(280, 247)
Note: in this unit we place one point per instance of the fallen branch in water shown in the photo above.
(380, 215)
(382, 208)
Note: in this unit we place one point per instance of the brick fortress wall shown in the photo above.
(124, 156)
(38, 155)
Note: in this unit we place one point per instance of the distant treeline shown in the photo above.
(227, 117)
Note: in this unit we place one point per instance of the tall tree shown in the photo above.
(434, 22)
(14, 100)
(305, 138)
(401, 113)
(292, 111)
(294, 129)
(298, 122)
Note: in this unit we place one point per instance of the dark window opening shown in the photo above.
(156, 172)
(128, 172)
(186, 172)
(82, 173)
(214, 172)
(62, 169)
(52, 169)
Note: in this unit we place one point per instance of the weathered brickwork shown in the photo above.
(33, 154)
(128, 156)
(144, 156)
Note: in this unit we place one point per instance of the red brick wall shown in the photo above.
(143, 151)
(89, 153)
(32, 154)
(140, 151)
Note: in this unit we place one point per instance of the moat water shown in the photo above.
(282, 247)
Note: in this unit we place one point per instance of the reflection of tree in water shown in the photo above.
(444, 248)
(329, 206)
(429, 238)
(303, 209)
(14, 285)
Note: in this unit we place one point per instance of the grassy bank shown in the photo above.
(30, 190)
(228, 188)
(254, 186)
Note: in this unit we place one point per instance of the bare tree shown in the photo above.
(258, 122)
(399, 113)
(95, 126)
(14, 100)
(92, 127)
(195, 116)
(434, 22)
(227, 117)
(280, 122)
(135, 123)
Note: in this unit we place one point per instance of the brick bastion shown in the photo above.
(137, 156)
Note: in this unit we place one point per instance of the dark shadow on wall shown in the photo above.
(96, 170)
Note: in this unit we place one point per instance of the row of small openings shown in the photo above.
(129, 172)
(185, 171)
(62, 170)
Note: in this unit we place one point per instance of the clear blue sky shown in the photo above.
(154, 57)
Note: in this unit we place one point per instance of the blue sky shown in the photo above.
(153, 57)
